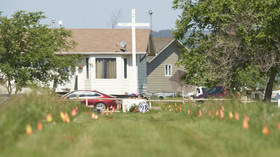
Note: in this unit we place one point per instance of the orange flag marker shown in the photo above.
(74, 112)
(39, 126)
(28, 129)
(209, 113)
(199, 113)
(265, 130)
(236, 116)
(222, 108)
(66, 117)
(95, 116)
(246, 118)
(217, 113)
(49, 118)
(278, 126)
(230, 115)
(222, 114)
(76, 108)
(246, 122)
(189, 111)
(62, 116)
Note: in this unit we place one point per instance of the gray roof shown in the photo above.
(160, 43)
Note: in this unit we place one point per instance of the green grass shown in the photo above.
(156, 133)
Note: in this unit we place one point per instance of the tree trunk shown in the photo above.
(269, 85)
(9, 88)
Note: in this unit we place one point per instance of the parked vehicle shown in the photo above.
(164, 95)
(91, 98)
(198, 92)
(218, 91)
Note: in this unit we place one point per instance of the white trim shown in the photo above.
(130, 24)
(97, 53)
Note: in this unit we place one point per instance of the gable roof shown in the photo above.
(108, 40)
(160, 43)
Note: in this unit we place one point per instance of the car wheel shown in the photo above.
(100, 106)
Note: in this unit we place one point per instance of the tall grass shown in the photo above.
(155, 133)
(25, 109)
(259, 113)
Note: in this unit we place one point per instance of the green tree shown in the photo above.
(241, 48)
(28, 53)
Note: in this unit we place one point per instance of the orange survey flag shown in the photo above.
(28, 129)
(265, 130)
(236, 116)
(222, 114)
(48, 117)
(230, 115)
(39, 126)
(189, 111)
(217, 113)
(246, 122)
(209, 113)
(199, 113)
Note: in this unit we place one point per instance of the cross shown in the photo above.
(133, 32)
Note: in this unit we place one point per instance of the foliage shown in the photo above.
(28, 53)
(242, 46)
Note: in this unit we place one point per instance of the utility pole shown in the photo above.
(151, 19)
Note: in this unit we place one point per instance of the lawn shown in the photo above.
(157, 133)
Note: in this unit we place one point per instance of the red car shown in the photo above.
(92, 97)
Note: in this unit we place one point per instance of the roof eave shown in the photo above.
(97, 53)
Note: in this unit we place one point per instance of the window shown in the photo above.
(106, 68)
(168, 70)
(125, 67)
(87, 66)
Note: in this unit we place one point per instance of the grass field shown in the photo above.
(157, 133)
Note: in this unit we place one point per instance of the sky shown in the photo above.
(97, 13)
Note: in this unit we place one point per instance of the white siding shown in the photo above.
(120, 85)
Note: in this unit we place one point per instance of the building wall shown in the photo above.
(156, 79)
(142, 73)
(119, 85)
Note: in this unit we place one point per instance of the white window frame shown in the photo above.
(168, 70)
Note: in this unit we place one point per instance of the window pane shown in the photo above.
(111, 68)
(168, 70)
(87, 67)
(106, 68)
(125, 67)
(99, 68)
